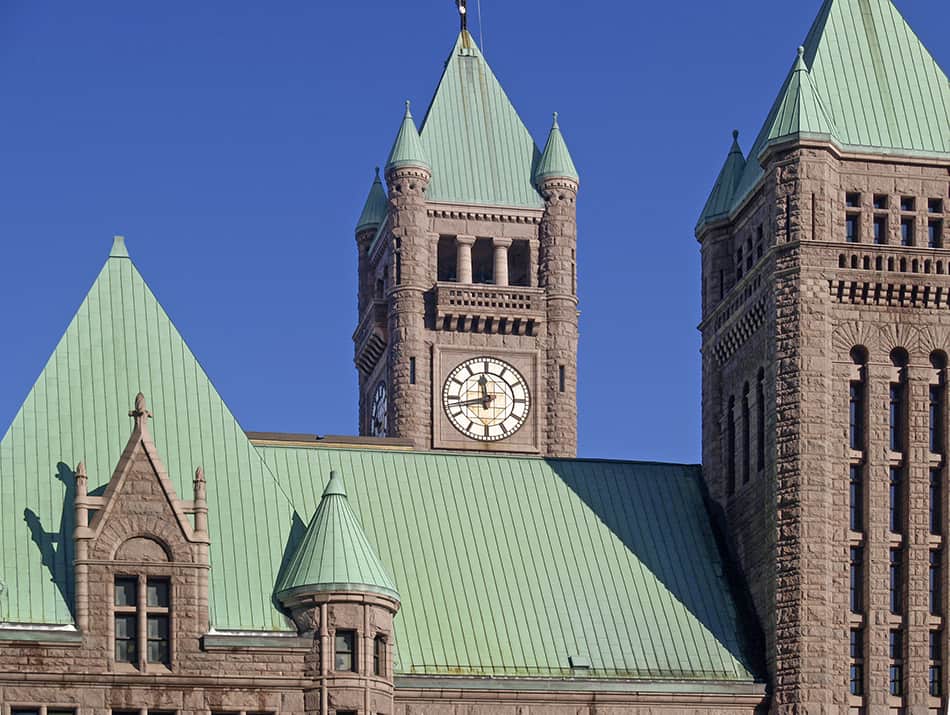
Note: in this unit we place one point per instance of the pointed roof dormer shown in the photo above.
(800, 112)
(720, 198)
(375, 208)
(556, 160)
(334, 554)
(407, 149)
(481, 151)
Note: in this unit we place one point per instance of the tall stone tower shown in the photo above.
(826, 327)
(467, 335)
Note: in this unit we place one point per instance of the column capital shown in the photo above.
(465, 240)
(501, 242)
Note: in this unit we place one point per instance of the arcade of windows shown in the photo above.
(898, 541)
(346, 656)
(743, 466)
(494, 261)
(926, 215)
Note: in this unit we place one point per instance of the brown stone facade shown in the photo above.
(822, 280)
(419, 300)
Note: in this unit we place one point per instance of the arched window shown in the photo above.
(897, 399)
(760, 420)
(857, 399)
(731, 447)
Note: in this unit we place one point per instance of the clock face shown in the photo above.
(486, 399)
(380, 414)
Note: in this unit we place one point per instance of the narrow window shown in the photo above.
(345, 651)
(759, 242)
(398, 253)
(907, 232)
(908, 203)
(935, 206)
(561, 378)
(738, 265)
(788, 218)
(447, 259)
(896, 648)
(856, 497)
(880, 201)
(519, 261)
(158, 647)
(856, 416)
(760, 420)
(936, 418)
(857, 661)
(851, 227)
(731, 447)
(935, 590)
(936, 496)
(895, 418)
(896, 492)
(896, 586)
(880, 229)
(852, 200)
(412, 371)
(935, 234)
(379, 655)
(936, 664)
(856, 574)
(573, 272)
(748, 254)
(126, 620)
(483, 261)
(746, 436)
(722, 283)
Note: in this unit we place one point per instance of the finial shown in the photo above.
(463, 14)
(555, 119)
(118, 248)
(408, 113)
(199, 476)
(377, 173)
(801, 51)
(81, 471)
(735, 135)
(140, 412)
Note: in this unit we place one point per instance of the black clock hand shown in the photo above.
(476, 401)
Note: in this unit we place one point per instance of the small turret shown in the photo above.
(374, 210)
(556, 162)
(339, 593)
(407, 149)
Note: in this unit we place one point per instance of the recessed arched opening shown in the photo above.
(938, 359)
(859, 355)
(899, 357)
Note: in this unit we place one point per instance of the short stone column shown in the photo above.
(501, 260)
(463, 258)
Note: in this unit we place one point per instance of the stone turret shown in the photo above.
(371, 218)
(557, 180)
(408, 174)
(342, 597)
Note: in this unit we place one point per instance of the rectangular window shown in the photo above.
(158, 640)
(379, 655)
(896, 584)
(857, 662)
(856, 498)
(760, 424)
(935, 206)
(759, 242)
(880, 229)
(880, 201)
(896, 687)
(398, 261)
(896, 493)
(722, 283)
(731, 448)
(126, 620)
(935, 589)
(936, 664)
(561, 378)
(126, 592)
(746, 437)
(738, 265)
(857, 579)
(908, 203)
(935, 234)
(936, 496)
(852, 200)
(936, 421)
(907, 232)
(345, 651)
(158, 636)
(852, 225)
(412, 371)
(856, 416)
(896, 417)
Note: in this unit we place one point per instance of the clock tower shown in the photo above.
(467, 333)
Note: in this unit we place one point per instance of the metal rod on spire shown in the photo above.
(463, 13)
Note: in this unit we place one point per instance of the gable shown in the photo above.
(119, 343)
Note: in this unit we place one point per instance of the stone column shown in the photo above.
(463, 258)
(501, 246)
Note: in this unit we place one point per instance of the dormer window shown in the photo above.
(140, 600)
(344, 660)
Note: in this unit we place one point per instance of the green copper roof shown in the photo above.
(720, 200)
(376, 207)
(407, 149)
(481, 151)
(800, 112)
(882, 92)
(556, 159)
(508, 566)
(120, 343)
(334, 554)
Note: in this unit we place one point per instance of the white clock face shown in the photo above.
(486, 399)
(380, 414)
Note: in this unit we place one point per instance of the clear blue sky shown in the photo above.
(233, 144)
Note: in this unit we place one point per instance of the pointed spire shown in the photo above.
(334, 554)
(375, 208)
(140, 413)
(556, 159)
(118, 248)
(407, 149)
(720, 198)
(801, 110)
(82, 480)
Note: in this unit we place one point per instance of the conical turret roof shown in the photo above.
(800, 112)
(556, 159)
(375, 208)
(407, 149)
(720, 199)
(335, 554)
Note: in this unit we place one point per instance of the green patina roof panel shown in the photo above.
(556, 159)
(376, 207)
(720, 199)
(407, 149)
(119, 343)
(334, 554)
(882, 92)
(508, 566)
(480, 150)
